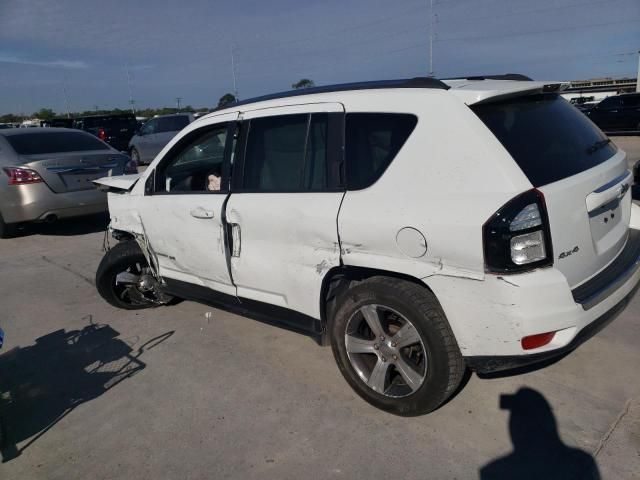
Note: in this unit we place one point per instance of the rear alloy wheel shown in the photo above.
(125, 280)
(393, 344)
(386, 351)
(135, 156)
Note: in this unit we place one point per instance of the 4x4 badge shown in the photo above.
(576, 249)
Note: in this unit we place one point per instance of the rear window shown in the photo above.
(547, 137)
(110, 122)
(54, 142)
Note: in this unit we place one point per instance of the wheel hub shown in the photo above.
(386, 351)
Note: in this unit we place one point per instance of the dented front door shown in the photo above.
(184, 218)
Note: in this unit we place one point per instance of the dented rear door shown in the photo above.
(283, 209)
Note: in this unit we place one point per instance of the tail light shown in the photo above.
(22, 176)
(517, 237)
(102, 135)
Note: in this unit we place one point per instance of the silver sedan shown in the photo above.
(47, 173)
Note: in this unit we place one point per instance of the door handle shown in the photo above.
(235, 240)
(201, 213)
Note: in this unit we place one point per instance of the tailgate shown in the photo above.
(582, 175)
(76, 171)
(589, 216)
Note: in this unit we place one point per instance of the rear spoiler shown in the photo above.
(117, 184)
(546, 88)
(475, 91)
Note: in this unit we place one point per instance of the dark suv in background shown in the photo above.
(620, 113)
(116, 130)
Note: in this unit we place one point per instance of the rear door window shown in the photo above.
(372, 142)
(54, 142)
(547, 137)
(287, 153)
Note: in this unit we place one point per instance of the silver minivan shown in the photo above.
(155, 134)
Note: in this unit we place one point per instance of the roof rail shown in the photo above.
(505, 76)
(417, 82)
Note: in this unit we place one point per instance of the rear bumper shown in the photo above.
(34, 202)
(492, 364)
(490, 317)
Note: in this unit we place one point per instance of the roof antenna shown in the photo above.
(432, 35)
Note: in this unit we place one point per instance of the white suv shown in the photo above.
(421, 227)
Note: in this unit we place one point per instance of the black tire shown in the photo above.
(135, 155)
(6, 230)
(117, 260)
(445, 366)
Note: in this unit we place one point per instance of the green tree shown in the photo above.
(45, 114)
(10, 118)
(303, 83)
(226, 99)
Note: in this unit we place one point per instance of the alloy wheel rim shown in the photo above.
(133, 285)
(386, 351)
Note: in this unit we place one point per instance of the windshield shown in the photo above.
(54, 142)
(548, 137)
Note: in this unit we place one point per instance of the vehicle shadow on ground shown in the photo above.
(538, 451)
(42, 383)
(68, 226)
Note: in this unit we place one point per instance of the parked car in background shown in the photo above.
(620, 113)
(421, 227)
(116, 130)
(155, 134)
(47, 173)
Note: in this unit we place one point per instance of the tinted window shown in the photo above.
(631, 100)
(610, 102)
(372, 142)
(110, 122)
(196, 166)
(172, 124)
(150, 127)
(286, 153)
(54, 142)
(315, 175)
(547, 137)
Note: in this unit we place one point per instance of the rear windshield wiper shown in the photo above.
(598, 145)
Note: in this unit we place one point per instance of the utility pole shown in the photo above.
(95, 107)
(178, 100)
(432, 35)
(638, 77)
(66, 97)
(131, 100)
(233, 72)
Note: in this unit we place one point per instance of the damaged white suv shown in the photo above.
(421, 227)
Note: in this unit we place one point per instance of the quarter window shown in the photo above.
(286, 153)
(372, 142)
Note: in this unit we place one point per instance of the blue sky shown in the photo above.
(182, 49)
